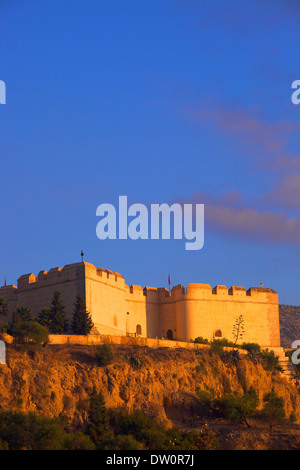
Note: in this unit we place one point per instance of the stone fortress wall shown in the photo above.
(182, 314)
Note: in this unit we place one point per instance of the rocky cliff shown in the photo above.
(162, 382)
(289, 324)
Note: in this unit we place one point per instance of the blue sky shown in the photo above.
(163, 101)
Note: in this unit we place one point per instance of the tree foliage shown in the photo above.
(21, 431)
(98, 418)
(29, 332)
(82, 320)
(21, 314)
(44, 318)
(273, 410)
(104, 355)
(57, 317)
(238, 409)
(3, 307)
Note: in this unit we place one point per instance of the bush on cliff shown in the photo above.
(78, 441)
(125, 442)
(273, 410)
(238, 409)
(253, 350)
(104, 355)
(98, 418)
(29, 332)
(31, 432)
(269, 361)
(205, 402)
(154, 436)
(20, 431)
(200, 340)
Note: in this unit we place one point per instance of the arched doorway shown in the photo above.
(170, 334)
(138, 330)
(218, 334)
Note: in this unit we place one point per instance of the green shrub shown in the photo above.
(195, 440)
(135, 361)
(31, 432)
(253, 349)
(217, 345)
(125, 442)
(269, 361)
(230, 357)
(98, 418)
(104, 355)
(153, 435)
(78, 441)
(200, 340)
(273, 410)
(205, 401)
(201, 368)
(4, 328)
(130, 431)
(29, 332)
(238, 409)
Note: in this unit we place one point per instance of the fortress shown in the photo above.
(182, 314)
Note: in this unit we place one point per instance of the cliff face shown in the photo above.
(161, 382)
(289, 316)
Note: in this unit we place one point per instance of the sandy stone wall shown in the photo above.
(37, 292)
(182, 314)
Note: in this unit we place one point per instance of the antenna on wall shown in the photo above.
(82, 254)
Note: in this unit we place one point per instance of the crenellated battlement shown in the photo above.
(9, 292)
(221, 292)
(55, 275)
(68, 272)
(193, 290)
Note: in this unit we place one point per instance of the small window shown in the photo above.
(138, 329)
(218, 334)
(115, 320)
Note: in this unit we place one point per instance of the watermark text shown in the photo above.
(2, 92)
(177, 221)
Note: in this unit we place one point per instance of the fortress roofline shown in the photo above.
(262, 289)
(30, 278)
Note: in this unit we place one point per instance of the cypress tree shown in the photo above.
(82, 321)
(21, 314)
(98, 418)
(59, 322)
(44, 318)
(3, 306)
